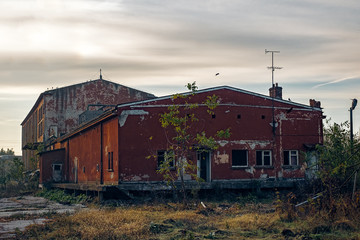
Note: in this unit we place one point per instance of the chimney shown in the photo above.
(314, 103)
(275, 91)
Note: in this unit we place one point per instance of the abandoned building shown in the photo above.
(59, 111)
(269, 139)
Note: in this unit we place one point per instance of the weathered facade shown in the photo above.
(56, 111)
(113, 149)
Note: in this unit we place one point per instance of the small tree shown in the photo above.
(184, 139)
(34, 161)
(7, 151)
(336, 161)
(16, 170)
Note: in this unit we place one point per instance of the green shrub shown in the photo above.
(62, 197)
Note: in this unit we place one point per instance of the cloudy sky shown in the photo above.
(158, 46)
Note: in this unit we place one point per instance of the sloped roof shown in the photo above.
(111, 112)
(51, 91)
(222, 88)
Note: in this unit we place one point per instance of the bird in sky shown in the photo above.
(217, 74)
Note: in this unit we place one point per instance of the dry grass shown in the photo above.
(252, 222)
(234, 221)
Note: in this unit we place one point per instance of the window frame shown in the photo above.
(232, 158)
(158, 163)
(263, 152)
(110, 161)
(289, 156)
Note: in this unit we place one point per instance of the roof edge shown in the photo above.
(77, 84)
(219, 88)
(106, 115)
(33, 108)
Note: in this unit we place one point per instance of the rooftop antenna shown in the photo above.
(100, 75)
(272, 65)
(273, 124)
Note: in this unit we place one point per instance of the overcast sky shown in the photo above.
(159, 46)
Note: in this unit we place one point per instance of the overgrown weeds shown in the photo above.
(210, 220)
(62, 197)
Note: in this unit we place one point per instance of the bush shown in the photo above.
(62, 197)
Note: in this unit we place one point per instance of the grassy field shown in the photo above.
(242, 219)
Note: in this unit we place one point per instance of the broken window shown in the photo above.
(291, 158)
(110, 161)
(40, 129)
(165, 157)
(57, 167)
(263, 158)
(239, 158)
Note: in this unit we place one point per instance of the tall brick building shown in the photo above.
(56, 111)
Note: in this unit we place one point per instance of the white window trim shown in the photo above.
(247, 159)
(262, 157)
(290, 155)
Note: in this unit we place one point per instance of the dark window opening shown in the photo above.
(291, 158)
(258, 158)
(239, 158)
(239, 116)
(262, 116)
(213, 116)
(165, 157)
(83, 169)
(110, 161)
(263, 158)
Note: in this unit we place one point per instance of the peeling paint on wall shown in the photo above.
(252, 143)
(221, 158)
(303, 167)
(124, 114)
(262, 176)
(222, 143)
(251, 170)
(136, 178)
(140, 177)
(281, 116)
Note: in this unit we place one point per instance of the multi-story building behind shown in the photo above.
(56, 111)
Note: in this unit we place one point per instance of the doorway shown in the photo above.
(204, 166)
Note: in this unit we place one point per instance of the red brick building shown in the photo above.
(56, 111)
(113, 148)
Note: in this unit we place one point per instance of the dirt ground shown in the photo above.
(17, 213)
